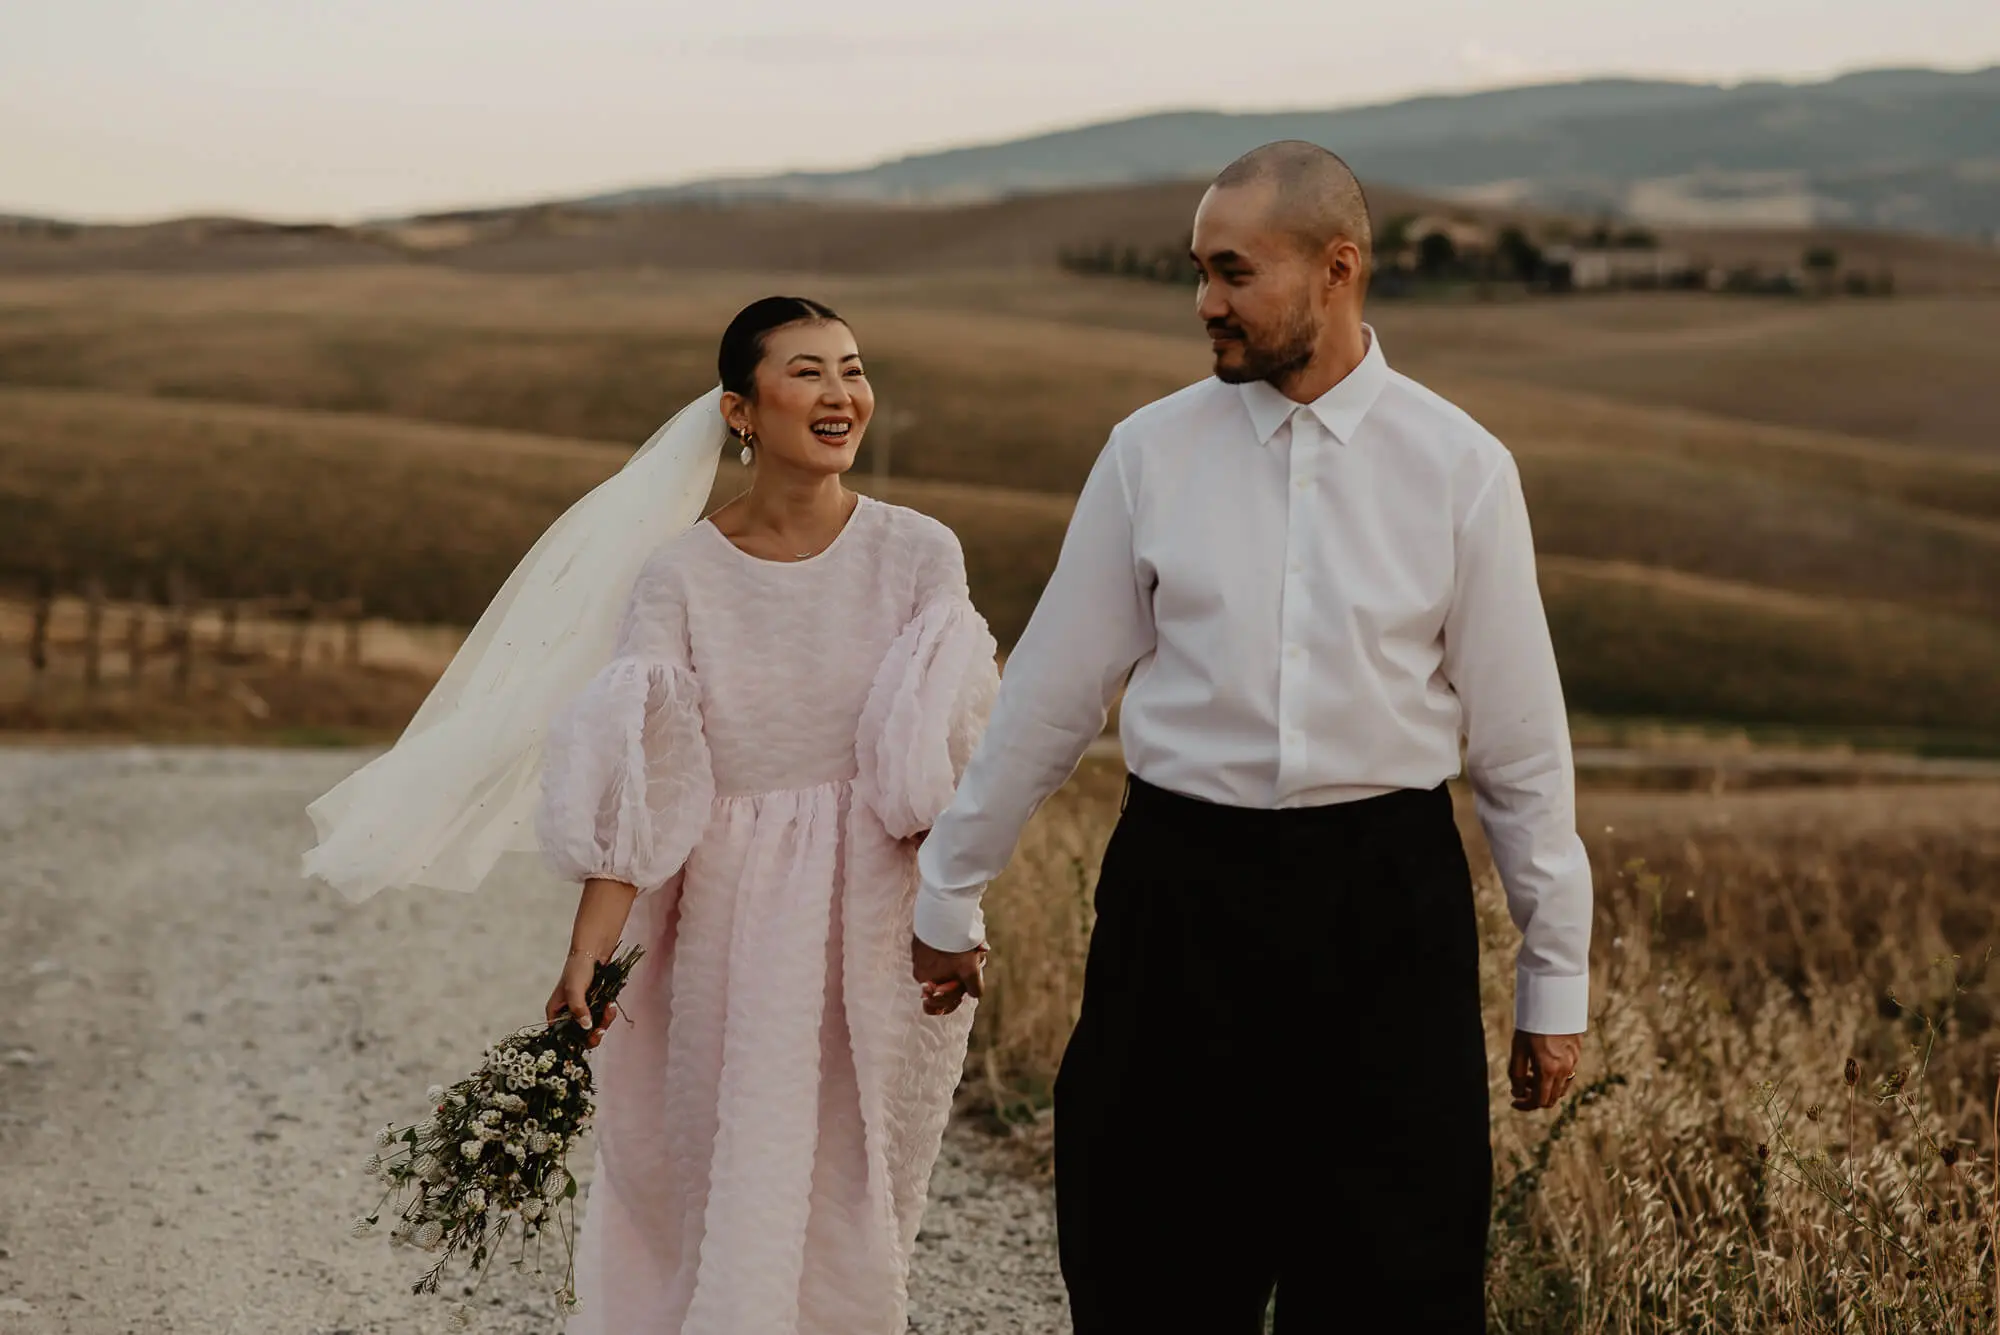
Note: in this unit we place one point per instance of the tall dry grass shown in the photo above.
(1784, 1122)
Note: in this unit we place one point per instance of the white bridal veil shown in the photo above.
(458, 790)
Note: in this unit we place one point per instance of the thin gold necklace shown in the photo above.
(844, 522)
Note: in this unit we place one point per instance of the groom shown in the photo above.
(1317, 576)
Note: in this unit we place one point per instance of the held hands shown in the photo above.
(1541, 1068)
(948, 977)
(571, 989)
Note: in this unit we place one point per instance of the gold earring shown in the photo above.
(749, 440)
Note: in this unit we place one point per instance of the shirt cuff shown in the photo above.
(949, 922)
(1551, 1004)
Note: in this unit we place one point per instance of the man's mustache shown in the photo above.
(1218, 329)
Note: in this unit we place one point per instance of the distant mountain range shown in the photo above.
(1913, 150)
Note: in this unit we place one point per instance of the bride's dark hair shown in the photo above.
(743, 342)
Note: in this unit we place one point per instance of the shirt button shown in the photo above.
(1301, 484)
(1292, 651)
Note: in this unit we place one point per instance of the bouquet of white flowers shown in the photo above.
(495, 1150)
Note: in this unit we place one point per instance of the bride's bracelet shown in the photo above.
(588, 954)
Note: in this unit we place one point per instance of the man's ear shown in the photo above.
(1343, 263)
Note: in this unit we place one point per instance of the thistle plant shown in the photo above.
(491, 1161)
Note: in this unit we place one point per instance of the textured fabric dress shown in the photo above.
(756, 759)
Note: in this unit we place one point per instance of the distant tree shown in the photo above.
(1599, 234)
(1822, 265)
(1522, 257)
(1436, 254)
(1394, 238)
(1637, 238)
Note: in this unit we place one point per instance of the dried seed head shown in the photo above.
(1853, 1071)
(1950, 1156)
(1931, 1215)
(1763, 1150)
(1812, 1113)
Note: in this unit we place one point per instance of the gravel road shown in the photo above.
(195, 1044)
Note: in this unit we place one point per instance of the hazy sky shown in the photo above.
(347, 108)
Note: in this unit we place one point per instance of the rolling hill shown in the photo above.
(1914, 150)
(404, 431)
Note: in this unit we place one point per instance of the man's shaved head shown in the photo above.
(1314, 195)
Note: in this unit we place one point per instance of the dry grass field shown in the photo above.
(1755, 516)
(1718, 1171)
(401, 433)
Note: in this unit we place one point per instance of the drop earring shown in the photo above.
(749, 444)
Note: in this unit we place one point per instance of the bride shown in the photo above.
(737, 767)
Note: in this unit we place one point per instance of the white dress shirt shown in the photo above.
(1313, 603)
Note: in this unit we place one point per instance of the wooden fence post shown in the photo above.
(355, 610)
(182, 634)
(226, 650)
(135, 635)
(302, 611)
(38, 637)
(93, 634)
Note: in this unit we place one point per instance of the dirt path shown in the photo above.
(194, 1045)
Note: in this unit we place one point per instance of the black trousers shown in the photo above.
(1278, 1082)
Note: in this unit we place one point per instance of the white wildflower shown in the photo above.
(555, 1183)
(538, 1142)
(385, 1137)
(548, 1059)
(427, 1167)
(532, 1210)
(459, 1318)
(434, 1094)
(472, 1149)
(427, 1128)
(475, 1199)
(429, 1235)
(361, 1228)
(372, 1166)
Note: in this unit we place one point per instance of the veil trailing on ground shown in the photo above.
(458, 790)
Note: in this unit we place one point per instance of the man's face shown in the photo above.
(1258, 284)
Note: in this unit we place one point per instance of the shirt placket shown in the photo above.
(1295, 608)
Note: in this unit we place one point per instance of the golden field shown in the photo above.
(1716, 1171)
(1756, 517)
(1754, 512)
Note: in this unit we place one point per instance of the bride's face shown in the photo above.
(813, 399)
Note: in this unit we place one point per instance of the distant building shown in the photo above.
(1592, 267)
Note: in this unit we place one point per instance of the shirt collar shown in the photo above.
(1340, 410)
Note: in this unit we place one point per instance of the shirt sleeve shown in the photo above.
(1498, 658)
(1092, 624)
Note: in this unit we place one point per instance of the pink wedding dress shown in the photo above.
(756, 757)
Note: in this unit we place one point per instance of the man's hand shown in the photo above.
(948, 977)
(1542, 1067)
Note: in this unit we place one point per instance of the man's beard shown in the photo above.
(1276, 358)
